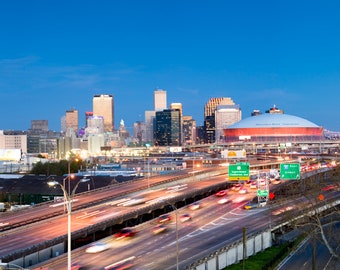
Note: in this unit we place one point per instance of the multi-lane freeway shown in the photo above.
(213, 223)
(212, 226)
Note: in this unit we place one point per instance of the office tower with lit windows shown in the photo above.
(225, 116)
(71, 120)
(87, 116)
(160, 100)
(149, 125)
(189, 130)
(103, 105)
(178, 106)
(209, 116)
(139, 131)
(168, 128)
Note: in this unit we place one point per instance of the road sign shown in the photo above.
(239, 171)
(262, 192)
(290, 171)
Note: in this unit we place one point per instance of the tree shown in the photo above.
(315, 214)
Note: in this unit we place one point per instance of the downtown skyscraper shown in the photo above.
(103, 105)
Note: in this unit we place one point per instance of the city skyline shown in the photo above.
(56, 56)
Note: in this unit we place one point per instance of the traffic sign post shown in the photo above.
(262, 192)
(290, 171)
(239, 171)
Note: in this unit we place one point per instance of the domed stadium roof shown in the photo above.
(268, 120)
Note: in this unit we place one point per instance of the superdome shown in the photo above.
(273, 127)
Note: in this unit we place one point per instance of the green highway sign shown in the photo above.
(290, 171)
(262, 192)
(239, 171)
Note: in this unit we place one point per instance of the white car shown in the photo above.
(243, 191)
(223, 201)
(194, 206)
(98, 247)
(185, 218)
(253, 185)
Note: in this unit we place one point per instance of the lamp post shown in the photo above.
(177, 249)
(148, 172)
(68, 197)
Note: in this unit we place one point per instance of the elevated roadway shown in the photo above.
(213, 227)
(21, 242)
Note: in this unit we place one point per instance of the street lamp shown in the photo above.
(177, 249)
(68, 197)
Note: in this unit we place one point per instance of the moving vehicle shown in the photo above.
(223, 200)
(125, 232)
(250, 205)
(185, 218)
(97, 247)
(195, 206)
(236, 187)
(243, 191)
(164, 218)
(160, 228)
(221, 193)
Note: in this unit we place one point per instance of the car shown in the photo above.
(253, 185)
(164, 218)
(75, 266)
(97, 247)
(236, 187)
(221, 193)
(185, 218)
(125, 232)
(159, 228)
(195, 206)
(243, 191)
(223, 200)
(261, 181)
(250, 205)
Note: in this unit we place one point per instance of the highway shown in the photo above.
(32, 235)
(212, 226)
(205, 228)
(10, 220)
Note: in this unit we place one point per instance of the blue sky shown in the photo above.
(55, 55)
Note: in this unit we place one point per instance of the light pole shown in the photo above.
(148, 171)
(177, 249)
(68, 197)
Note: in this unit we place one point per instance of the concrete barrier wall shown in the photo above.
(40, 256)
(233, 253)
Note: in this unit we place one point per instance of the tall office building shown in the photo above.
(87, 116)
(189, 130)
(149, 125)
(103, 105)
(39, 125)
(225, 116)
(178, 106)
(71, 120)
(139, 131)
(209, 116)
(160, 100)
(168, 128)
